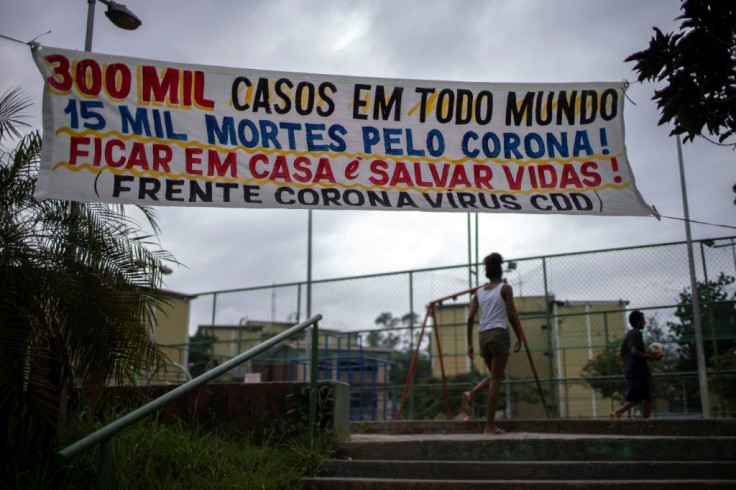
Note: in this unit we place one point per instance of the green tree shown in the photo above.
(698, 64)
(605, 372)
(718, 322)
(79, 288)
(394, 331)
(717, 318)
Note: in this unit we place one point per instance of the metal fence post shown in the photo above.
(549, 333)
(708, 302)
(104, 468)
(298, 302)
(411, 341)
(214, 308)
(608, 342)
(714, 341)
(697, 324)
(470, 255)
(313, 381)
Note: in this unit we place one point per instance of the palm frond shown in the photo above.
(79, 291)
(12, 104)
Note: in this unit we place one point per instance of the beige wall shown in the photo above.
(235, 339)
(171, 334)
(560, 347)
(452, 322)
(584, 332)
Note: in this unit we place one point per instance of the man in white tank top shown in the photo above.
(495, 301)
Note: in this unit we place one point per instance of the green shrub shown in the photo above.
(152, 455)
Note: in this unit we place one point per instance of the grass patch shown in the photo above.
(152, 455)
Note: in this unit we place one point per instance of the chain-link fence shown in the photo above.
(574, 309)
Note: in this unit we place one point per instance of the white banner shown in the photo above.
(135, 131)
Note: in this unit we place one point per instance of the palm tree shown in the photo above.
(79, 287)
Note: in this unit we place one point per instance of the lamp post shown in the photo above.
(118, 15)
(699, 352)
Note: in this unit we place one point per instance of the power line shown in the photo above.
(699, 222)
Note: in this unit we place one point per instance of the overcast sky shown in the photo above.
(478, 41)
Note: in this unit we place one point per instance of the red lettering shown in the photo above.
(588, 169)
(302, 172)
(532, 177)
(569, 177)
(459, 177)
(159, 89)
(117, 81)
(547, 176)
(482, 176)
(220, 168)
(439, 179)
(61, 80)
(418, 176)
(199, 98)
(192, 159)
(351, 171)
(175, 87)
(89, 77)
(378, 167)
(137, 157)
(324, 171)
(255, 160)
(280, 169)
(98, 152)
(401, 175)
(514, 180)
(162, 155)
(74, 150)
(110, 157)
(186, 90)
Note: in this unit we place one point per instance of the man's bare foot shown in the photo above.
(614, 415)
(465, 405)
(494, 431)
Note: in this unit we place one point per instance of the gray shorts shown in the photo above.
(494, 342)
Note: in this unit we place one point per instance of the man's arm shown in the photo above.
(638, 349)
(471, 321)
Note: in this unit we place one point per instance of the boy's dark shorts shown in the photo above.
(494, 342)
(640, 389)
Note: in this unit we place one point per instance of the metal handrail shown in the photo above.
(105, 433)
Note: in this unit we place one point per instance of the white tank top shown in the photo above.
(492, 308)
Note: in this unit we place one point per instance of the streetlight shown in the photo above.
(116, 12)
(124, 19)
(699, 352)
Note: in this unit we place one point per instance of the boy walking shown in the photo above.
(636, 368)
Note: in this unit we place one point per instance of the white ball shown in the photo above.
(656, 349)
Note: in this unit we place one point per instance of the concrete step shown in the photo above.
(651, 427)
(524, 446)
(538, 470)
(535, 454)
(406, 484)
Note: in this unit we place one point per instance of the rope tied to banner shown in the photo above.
(32, 43)
(624, 88)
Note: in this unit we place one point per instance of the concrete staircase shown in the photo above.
(548, 454)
